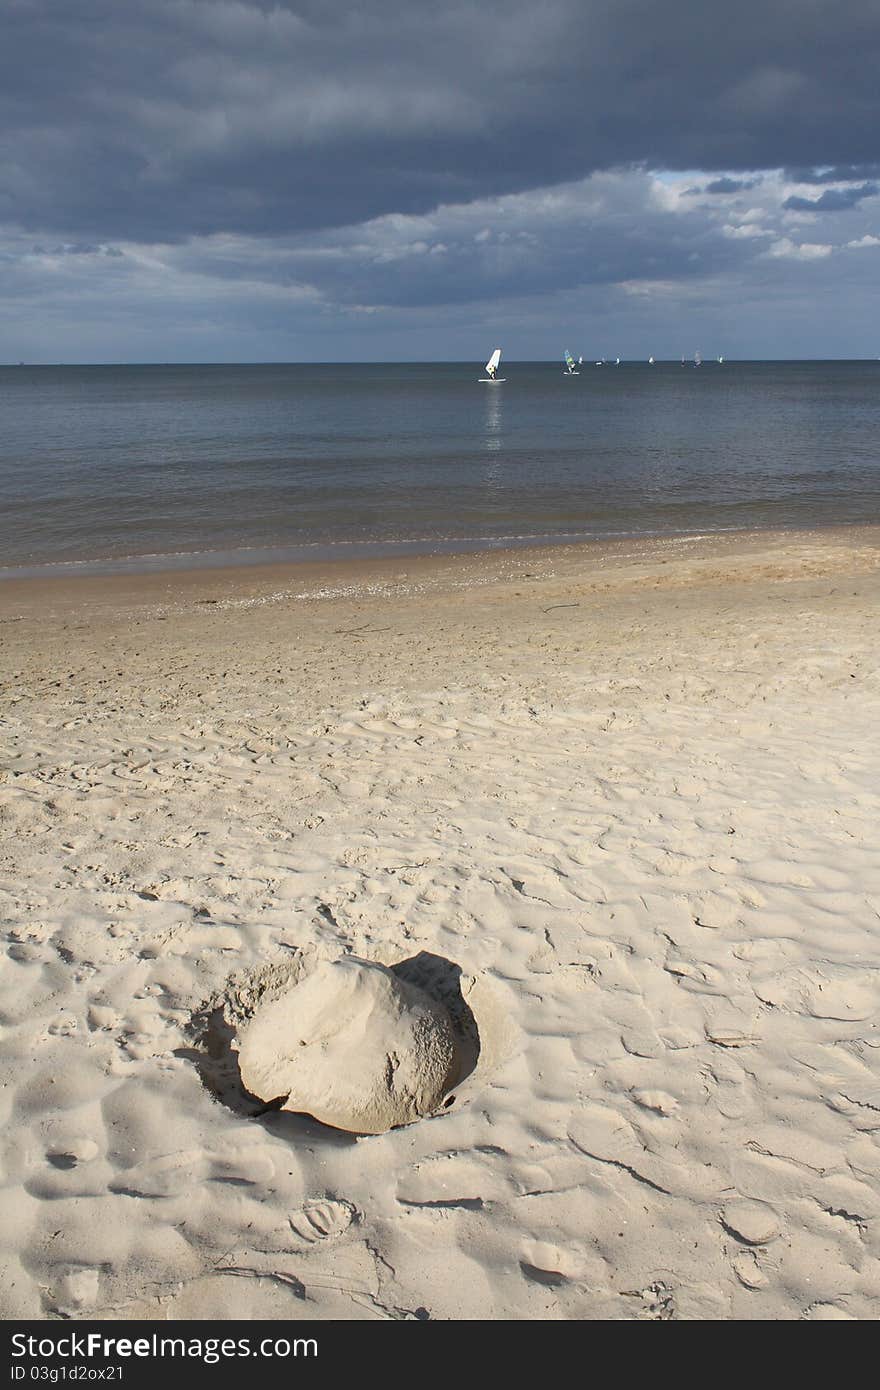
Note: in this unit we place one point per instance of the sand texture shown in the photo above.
(614, 809)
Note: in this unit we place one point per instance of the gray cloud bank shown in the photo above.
(163, 120)
(833, 199)
(207, 179)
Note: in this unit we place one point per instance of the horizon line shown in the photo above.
(408, 361)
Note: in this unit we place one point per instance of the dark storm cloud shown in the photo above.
(77, 248)
(727, 185)
(611, 229)
(832, 200)
(841, 173)
(532, 245)
(172, 118)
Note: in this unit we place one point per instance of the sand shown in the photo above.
(617, 804)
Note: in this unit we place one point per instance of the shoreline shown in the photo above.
(349, 577)
(319, 554)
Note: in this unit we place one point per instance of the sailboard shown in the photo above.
(570, 365)
(492, 368)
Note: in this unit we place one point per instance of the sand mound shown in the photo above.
(354, 1046)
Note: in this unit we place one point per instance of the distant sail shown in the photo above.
(492, 364)
(650, 361)
(698, 361)
(569, 361)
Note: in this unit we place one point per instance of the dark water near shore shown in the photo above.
(145, 467)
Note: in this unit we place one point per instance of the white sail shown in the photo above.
(650, 361)
(492, 364)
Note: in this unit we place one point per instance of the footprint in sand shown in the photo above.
(748, 1270)
(76, 1290)
(64, 1026)
(660, 1102)
(169, 1175)
(828, 1312)
(833, 992)
(751, 1222)
(102, 1017)
(323, 1220)
(72, 1153)
(542, 1262)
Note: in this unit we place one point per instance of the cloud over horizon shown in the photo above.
(196, 160)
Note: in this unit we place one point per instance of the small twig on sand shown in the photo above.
(350, 631)
(560, 605)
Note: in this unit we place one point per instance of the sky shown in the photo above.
(271, 180)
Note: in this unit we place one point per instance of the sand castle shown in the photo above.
(352, 1045)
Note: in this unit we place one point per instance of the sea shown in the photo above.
(127, 468)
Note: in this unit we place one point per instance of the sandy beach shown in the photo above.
(624, 796)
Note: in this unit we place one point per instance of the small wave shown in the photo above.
(335, 548)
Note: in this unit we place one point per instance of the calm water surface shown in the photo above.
(137, 467)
